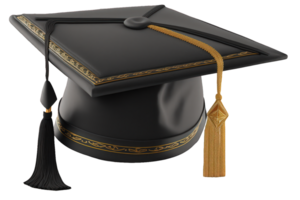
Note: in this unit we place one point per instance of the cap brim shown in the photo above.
(110, 58)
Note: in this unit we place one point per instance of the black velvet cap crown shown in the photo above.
(109, 51)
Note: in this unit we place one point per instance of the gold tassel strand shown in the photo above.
(214, 138)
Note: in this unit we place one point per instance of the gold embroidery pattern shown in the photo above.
(98, 81)
(131, 150)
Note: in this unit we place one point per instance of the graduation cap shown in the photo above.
(134, 92)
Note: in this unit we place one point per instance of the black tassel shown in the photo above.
(46, 175)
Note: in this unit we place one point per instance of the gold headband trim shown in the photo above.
(131, 150)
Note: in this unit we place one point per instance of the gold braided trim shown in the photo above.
(85, 72)
(131, 150)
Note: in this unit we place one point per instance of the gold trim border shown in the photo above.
(131, 150)
(84, 71)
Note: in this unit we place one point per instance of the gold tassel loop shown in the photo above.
(48, 110)
(214, 139)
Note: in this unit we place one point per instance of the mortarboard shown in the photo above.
(134, 92)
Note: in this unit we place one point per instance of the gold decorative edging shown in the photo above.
(98, 81)
(125, 149)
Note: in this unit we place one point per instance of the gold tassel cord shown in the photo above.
(214, 138)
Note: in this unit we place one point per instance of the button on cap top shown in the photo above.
(137, 22)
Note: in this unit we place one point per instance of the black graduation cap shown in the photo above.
(134, 92)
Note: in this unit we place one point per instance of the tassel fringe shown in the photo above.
(46, 175)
